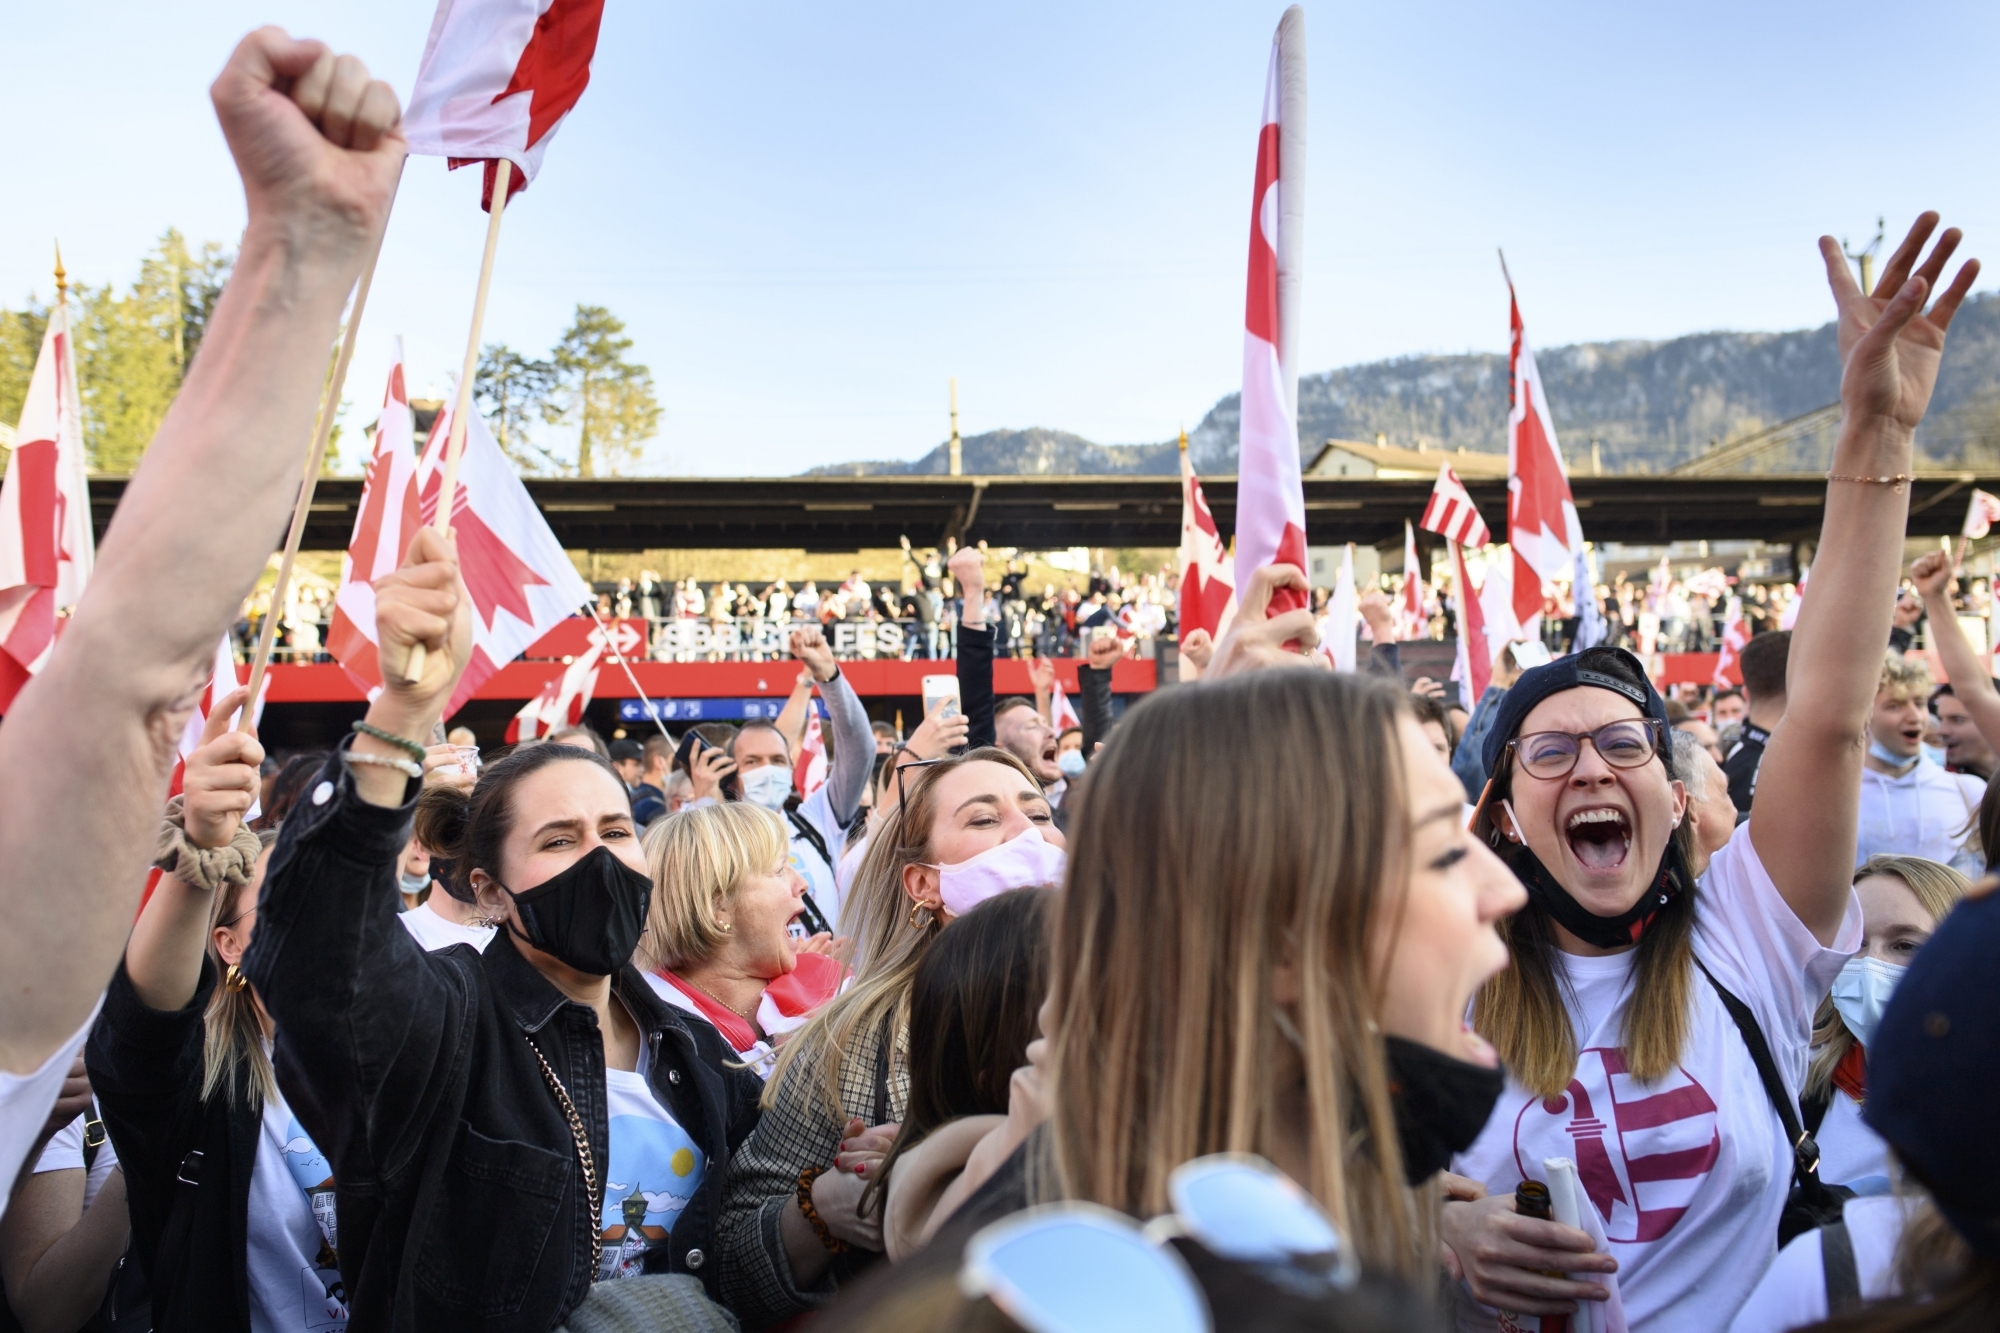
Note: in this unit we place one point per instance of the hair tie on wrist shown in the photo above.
(408, 768)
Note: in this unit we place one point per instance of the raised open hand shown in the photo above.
(1889, 346)
(220, 782)
(313, 136)
(1042, 674)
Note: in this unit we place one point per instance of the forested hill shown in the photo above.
(1649, 405)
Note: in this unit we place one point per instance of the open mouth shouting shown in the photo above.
(1599, 837)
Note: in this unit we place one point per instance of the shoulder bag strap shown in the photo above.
(1843, 1279)
(886, 1040)
(1815, 1106)
(1805, 1152)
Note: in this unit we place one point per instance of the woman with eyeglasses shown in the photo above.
(1638, 995)
(963, 829)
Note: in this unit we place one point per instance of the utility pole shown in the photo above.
(957, 456)
(1865, 257)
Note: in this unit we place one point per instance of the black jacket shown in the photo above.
(187, 1163)
(461, 1200)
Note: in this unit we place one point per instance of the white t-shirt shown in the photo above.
(65, 1153)
(1850, 1153)
(27, 1099)
(294, 1283)
(1926, 812)
(434, 932)
(1688, 1174)
(821, 883)
(654, 1172)
(1792, 1292)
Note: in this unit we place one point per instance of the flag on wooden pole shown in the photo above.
(46, 544)
(1343, 616)
(1542, 525)
(384, 525)
(1270, 495)
(1474, 669)
(1410, 617)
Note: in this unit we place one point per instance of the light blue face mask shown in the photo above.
(1935, 754)
(1888, 756)
(1071, 762)
(1861, 993)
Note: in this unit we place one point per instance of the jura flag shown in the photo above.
(1270, 497)
(46, 547)
(1208, 593)
(809, 770)
(520, 579)
(221, 680)
(383, 529)
(1343, 616)
(1735, 633)
(562, 700)
(1474, 668)
(1542, 526)
(1062, 715)
(1410, 618)
(497, 77)
(1980, 515)
(1451, 513)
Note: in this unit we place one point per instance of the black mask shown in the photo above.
(590, 915)
(1441, 1104)
(1606, 932)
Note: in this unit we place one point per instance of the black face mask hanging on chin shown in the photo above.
(588, 916)
(1441, 1104)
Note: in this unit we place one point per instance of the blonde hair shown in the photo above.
(889, 935)
(1199, 869)
(1938, 889)
(232, 1028)
(698, 858)
(1904, 677)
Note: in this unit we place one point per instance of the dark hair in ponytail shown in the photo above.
(467, 829)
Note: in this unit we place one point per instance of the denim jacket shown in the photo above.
(461, 1201)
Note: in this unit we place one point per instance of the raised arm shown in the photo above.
(853, 742)
(1809, 783)
(1968, 674)
(318, 149)
(975, 646)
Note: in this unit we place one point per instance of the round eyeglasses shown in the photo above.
(1553, 754)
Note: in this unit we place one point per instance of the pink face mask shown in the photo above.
(1023, 863)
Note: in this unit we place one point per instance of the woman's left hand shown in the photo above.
(820, 943)
(1889, 348)
(836, 1196)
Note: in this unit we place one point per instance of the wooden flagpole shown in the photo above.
(625, 662)
(329, 409)
(503, 174)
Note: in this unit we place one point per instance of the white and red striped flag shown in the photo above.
(1450, 512)
(1208, 593)
(1062, 714)
(1270, 495)
(1735, 633)
(520, 578)
(497, 78)
(383, 528)
(562, 701)
(1542, 525)
(809, 769)
(46, 544)
(1474, 669)
(1980, 515)
(1410, 618)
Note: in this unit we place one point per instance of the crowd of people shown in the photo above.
(1292, 999)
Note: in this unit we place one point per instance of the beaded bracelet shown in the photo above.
(403, 743)
(408, 768)
(1897, 482)
(833, 1243)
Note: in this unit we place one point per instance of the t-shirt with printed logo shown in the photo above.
(289, 1253)
(654, 1172)
(1689, 1174)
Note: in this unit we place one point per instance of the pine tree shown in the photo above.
(607, 400)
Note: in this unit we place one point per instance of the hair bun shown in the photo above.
(441, 821)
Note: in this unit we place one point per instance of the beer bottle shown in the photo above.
(1531, 1199)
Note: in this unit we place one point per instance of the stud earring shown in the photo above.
(233, 979)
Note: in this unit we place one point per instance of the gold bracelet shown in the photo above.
(1898, 481)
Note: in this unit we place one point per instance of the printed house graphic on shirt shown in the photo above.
(1642, 1151)
(663, 1167)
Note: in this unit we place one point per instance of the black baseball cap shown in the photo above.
(626, 750)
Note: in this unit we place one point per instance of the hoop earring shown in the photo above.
(233, 979)
(929, 917)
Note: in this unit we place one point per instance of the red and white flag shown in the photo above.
(497, 78)
(1208, 592)
(1062, 715)
(1451, 513)
(1343, 616)
(562, 700)
(1980, 515)
(1270, 496)
(383, 529)
(520, 578)
(221, 680)
(809, 769)
(1410, 618)
(1542, 525)
(1735, 633)
(46, 545)
(1474, 669)
(1789, 617)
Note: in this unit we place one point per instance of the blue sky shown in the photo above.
(811, 215)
